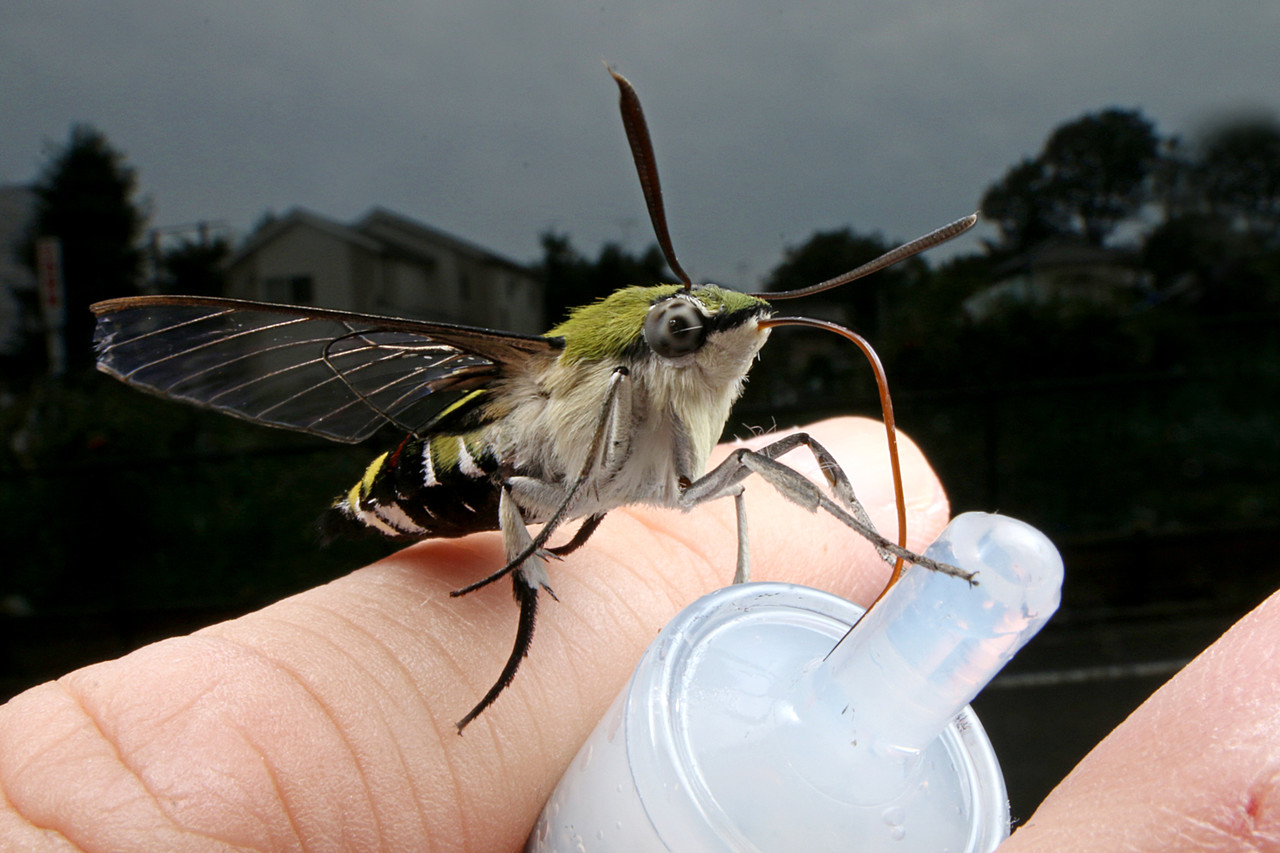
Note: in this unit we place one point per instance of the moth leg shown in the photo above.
(835, 476)
(527, 597)
(525, 560)
(726, 479)
(742, 571)
(580, 538)
(531, 491)
(526, 586)
(526, 581)
(731, 472)
(797, 488)
(516, 541)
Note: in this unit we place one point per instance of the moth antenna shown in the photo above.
(888, 259)
(647, 169)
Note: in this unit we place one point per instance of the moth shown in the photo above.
(621, 403)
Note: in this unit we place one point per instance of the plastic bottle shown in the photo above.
(753, 723)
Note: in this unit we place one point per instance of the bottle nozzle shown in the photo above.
(922, 653)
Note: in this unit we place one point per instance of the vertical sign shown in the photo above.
(53, 300)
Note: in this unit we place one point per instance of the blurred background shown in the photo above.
(1100, 357)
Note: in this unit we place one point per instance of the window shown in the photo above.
(290, 289)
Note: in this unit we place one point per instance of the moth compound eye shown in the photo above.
(675, 327)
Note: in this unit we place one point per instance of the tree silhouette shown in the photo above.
(572, 280)
(1099, 167)
(195, 267)
(1238, 175)
(1018, 204)
(1219, 241)
(84, 197)
(1093, 173)
(830, 253)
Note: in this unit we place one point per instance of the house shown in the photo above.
(1063, 271)
(385, 263)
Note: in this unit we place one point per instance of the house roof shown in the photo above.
(410, 235)
(380, 231)
(1060, 252)
(301, 216)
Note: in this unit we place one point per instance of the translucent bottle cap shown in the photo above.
(924, 651)
(751, 724)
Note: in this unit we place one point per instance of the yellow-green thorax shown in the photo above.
(672, 410)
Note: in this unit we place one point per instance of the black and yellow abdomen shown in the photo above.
(435, 486)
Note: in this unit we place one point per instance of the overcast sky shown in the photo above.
(496, 121)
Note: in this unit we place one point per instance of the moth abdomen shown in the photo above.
(436, 486)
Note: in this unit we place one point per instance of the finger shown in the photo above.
(1196, 767)
(850, 565)
(329, 716)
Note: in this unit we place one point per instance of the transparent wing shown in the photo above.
(329, 373)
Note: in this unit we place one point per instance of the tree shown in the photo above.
(1092, 174)
(812, 369)
(1219, 242)
(1099, 168)
(84, 197)
(195, 267)
(572, 280)
(1238, 175)
(827, 254)
(1019, 205)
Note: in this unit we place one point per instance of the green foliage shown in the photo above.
(1218, 245)
(1118, 391)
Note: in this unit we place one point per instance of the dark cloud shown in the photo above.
(496, 121)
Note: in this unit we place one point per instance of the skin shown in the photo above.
(1196, 767)
(325, 722)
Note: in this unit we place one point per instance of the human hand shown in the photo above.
(1196, 767)
(326, 720)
